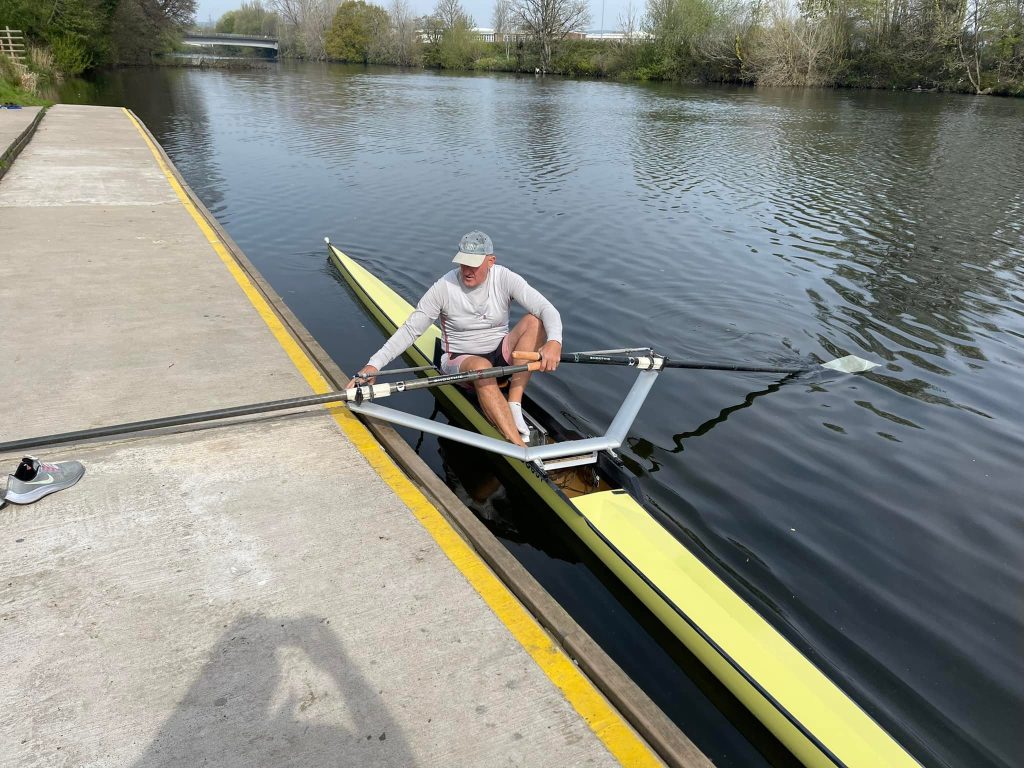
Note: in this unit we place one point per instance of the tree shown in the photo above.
(794, 48)
(1008, 45)
(969, 40)
(405, 37)
(460, 46)
(306, 23)
(432, 29)
(695, 38)
(141, 27)
(501, 16)
(451, 42)
(251, 19)
(451, 14)
(549, 21)
(358, 32)
(988, 37)
(629, 23)
(501, 20)
(177, 13)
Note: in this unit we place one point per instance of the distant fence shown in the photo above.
(12, 44)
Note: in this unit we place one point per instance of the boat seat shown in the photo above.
(567, 461)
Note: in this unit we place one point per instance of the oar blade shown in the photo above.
(850, 364)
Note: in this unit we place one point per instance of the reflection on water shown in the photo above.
(875, 518)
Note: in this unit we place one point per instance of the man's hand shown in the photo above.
(365, 376)
(550, 355)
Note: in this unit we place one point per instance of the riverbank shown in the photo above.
(647, 61)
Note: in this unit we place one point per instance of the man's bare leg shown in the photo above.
(492, 401)
(528, 335)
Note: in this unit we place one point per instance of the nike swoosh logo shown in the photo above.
(40, 479)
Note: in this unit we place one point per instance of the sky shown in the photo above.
(480, 10)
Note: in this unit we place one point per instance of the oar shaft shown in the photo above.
(733, 367)
(171, 421)
(633, 360)
(356, 393)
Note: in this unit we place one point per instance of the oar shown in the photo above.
(355, 394)
(848, 364)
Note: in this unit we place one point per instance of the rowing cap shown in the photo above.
(474, 247)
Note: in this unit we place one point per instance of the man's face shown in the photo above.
(474, 276)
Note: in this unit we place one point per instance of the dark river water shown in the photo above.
(875, 519)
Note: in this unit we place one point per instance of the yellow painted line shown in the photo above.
(620, 739)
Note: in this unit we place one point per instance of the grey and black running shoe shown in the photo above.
(35, 479)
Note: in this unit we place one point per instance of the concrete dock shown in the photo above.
(15, 128)
(267, 591)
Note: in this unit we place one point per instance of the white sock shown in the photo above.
(517, 417)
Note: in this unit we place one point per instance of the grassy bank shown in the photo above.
(11, 94)
(20, 83)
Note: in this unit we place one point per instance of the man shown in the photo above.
(472, 303)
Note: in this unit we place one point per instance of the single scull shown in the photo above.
(586, 484)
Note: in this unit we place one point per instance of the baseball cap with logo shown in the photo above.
(474, 247)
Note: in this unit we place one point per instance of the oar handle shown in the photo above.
(521, 354)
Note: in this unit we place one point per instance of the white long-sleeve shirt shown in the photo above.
(473, 320)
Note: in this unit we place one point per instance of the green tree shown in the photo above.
(1008, 45)
(459, 47)
(143, 27)
(226, 23)
(77, 31)
(358, 32)
(253, 18)
(86, 33)
(696, 38)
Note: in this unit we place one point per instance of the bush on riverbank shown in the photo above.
(18, 85)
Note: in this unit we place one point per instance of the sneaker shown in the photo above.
(517, 417)
(34, 479)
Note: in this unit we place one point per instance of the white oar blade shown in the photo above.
(850, 364)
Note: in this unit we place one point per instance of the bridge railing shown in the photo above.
(231, 36)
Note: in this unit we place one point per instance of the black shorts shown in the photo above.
(495, 357)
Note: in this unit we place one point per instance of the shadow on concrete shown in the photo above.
(279, 692)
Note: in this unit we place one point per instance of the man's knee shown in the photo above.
(474, 363)
(537, 329)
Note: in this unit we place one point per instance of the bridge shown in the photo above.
(222, 38)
